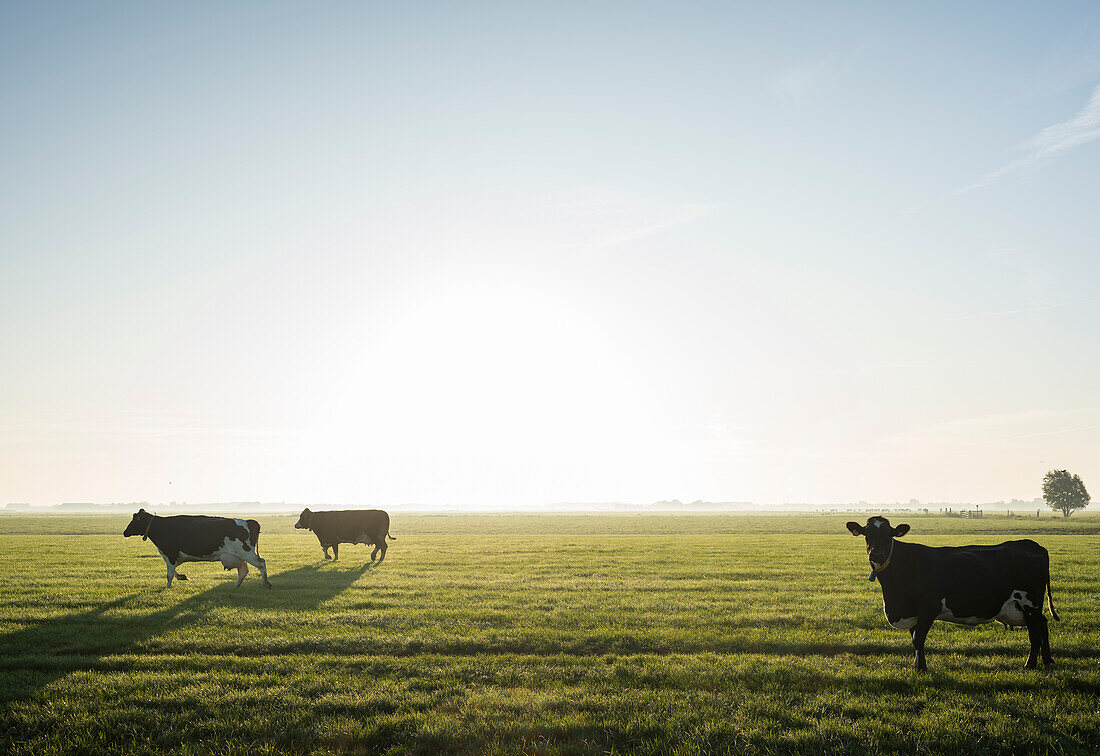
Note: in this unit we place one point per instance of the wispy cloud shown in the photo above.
(1056, 432)
(1050, 143)
(1020, 310)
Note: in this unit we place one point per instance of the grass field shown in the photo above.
(539, 634)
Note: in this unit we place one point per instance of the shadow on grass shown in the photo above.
(596, 645)
(38, 654)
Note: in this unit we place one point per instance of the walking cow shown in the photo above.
(198, 538)
(967, 585)
(367, 526)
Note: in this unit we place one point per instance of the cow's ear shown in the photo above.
(856, 528)
(141, 511)
(901, 530)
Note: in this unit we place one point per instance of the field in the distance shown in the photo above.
(511, 633)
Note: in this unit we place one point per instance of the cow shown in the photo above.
(198, 538)
(966, 585)
(366, 526)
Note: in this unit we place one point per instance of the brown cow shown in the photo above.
(366, 526)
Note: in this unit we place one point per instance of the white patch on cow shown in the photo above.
(171, 567)
(232, 553)
(1012, 612)
(905, 623)
(948, 616)
(231, 548)
(244, 525)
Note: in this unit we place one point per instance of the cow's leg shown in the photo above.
(925, 618)
(1033, 638)
(381, 547)
(325, 547)
(256, 561)
(1037, 634)
(171, 567)
(242, 570)
(1045, 645)
(336, 552)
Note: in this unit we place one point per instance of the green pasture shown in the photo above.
(529, 634)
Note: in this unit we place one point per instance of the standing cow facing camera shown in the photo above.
(199, 538)
(366, 526)
(966, 585)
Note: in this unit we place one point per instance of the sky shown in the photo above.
(500, 255)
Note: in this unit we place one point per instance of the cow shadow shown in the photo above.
(40, 653)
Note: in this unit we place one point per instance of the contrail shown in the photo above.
(1051, 142)
(1057, 432)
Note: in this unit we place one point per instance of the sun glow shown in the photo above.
(502, 391)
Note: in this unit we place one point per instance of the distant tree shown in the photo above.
(1064, 491)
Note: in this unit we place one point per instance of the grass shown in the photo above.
(534, 634)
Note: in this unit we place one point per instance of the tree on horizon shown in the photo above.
(1064, 491)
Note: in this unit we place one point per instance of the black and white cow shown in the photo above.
(967, 585)
(198, 538)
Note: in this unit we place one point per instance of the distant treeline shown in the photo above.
(673, 505)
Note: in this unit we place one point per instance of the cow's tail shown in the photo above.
(1050, 601)
(392, 537)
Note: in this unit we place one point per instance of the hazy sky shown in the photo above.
(504, 254)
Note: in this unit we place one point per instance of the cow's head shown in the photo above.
(303, 520)
(880, 538)
(139, 525)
